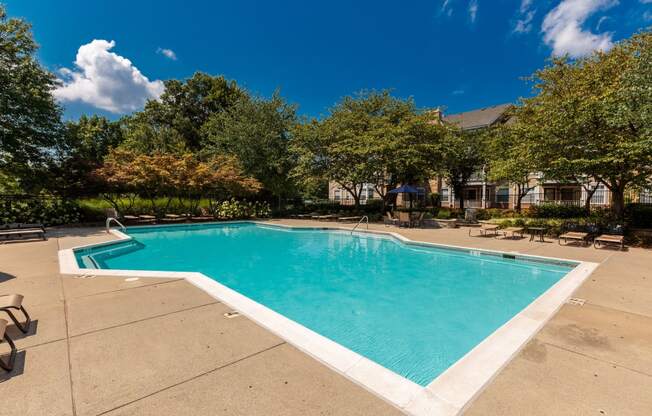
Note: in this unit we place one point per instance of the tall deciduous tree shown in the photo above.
(351, 145)
(174, 122)
(510, 158)
(80, 150)
(463, 154)
(256, 131)
(593, 117)
(29, 116)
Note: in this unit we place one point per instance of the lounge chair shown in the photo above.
(204, 215)
(573, 235)
(146, 219)
(348, 219)
(614, 237)
(9, 364)
(173, 218)
(328, 217)
(15, 302)
(512, 232)
(21, 230)
(390, 220)
(485, 230)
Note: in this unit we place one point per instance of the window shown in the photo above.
(549, 194)
(502, 195)
(472, 194)
(444, 194)
(568, 194)
(598, 196)
(338, 194)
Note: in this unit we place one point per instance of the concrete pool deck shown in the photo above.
(154, 346)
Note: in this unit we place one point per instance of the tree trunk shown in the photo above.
(618, 201)
(589, 195)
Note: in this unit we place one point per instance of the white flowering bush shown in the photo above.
(234, 209)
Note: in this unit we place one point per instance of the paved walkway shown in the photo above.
(162, 347)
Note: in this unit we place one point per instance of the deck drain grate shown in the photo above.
(576, 301)
(232, 314)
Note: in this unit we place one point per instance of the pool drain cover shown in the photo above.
(232, 314)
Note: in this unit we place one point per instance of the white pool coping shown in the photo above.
(448, 394)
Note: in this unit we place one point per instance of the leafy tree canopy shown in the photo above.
(29, 116)
(593, 117)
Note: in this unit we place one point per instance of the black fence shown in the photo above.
(567, 197)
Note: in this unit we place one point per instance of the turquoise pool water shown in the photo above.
(413, 309)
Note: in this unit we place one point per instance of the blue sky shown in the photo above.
(459, 54)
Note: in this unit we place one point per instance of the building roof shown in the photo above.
(476, 119)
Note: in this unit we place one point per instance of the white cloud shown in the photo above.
(525, 17)
(106, 80)
(473, 10)
(168, 53)
(646, 1)
(458, 92)
(600, 22)
(525, 6)
(562, 28)
(647, 16)
(446, 8)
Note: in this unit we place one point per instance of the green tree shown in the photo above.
(591, 117)
(29, 116)
(351, 145)
(256, 131)
(510, 158)
(80, 150)
(462, 155)
(174, 121)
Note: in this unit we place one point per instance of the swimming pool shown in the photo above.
(412, 309)
(423, 326)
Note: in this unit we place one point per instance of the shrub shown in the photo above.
(235, 209)
(639, 215)
(45, 210)
(556, 211)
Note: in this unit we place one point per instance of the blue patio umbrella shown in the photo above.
(405, 189)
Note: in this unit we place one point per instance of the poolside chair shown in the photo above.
(350, 219)
(22, 230)
(327, 217)
(173, 218)
(615, 236)
(390, 220)
(9, 364)
(418, 221)
(512, 232)
(574, 235)
(15, 302)
(485, 230)
(404, 219)
(204, 215)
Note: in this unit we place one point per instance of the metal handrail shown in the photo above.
(108, 223)
(365, 218)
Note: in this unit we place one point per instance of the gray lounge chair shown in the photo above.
(21, 230)
(15, 302)
(9, 364)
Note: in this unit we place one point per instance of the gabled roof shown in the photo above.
(477, 119)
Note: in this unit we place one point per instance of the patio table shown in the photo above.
(534, 231)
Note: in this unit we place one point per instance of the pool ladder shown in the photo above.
(111, 219)
(365, 219)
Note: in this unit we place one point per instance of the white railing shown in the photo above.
(111, 219)
(365, 218)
